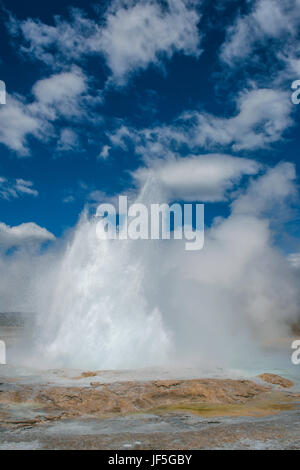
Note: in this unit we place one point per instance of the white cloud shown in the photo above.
(262, 117)
(207, 178)
(140, 34)
(20, 268)
(60, 96)
(104, 152)
(119, 136)
(20, 235)
(55, 45)
(268, 19)
(131, 35)
(68, 140)
(267, 193)
(15, 188)
(16, 123)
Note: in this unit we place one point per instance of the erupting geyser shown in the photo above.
(107, 304)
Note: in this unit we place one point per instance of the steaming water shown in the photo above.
(109, 304)
(98, 316)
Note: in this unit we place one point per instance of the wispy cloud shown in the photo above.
(104, 154)
(262, 117)
(15, 188)
(130, 36)
(270, 23)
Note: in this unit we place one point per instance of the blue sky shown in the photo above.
(101, 95)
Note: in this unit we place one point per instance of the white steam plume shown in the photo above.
(123, 304)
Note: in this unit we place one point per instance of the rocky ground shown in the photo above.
(161, 414)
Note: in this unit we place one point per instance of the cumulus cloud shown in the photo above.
(15, 188)
(130, 36)
(16, 124)
(144, 32)
(207, 178)
(24, 234)
(267, 20)
(267, 194)
(60, 96)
